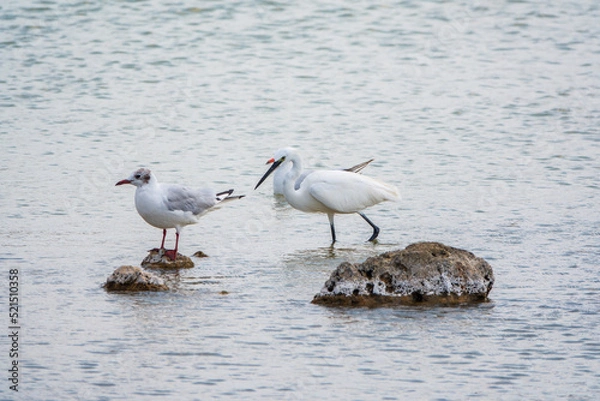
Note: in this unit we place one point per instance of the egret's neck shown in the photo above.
(279, 177)
(290, 178)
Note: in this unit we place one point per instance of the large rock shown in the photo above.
(422, 273)
(156, 259)
(133, 278)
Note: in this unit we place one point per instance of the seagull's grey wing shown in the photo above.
(186, 199)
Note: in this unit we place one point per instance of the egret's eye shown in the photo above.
(282, 158)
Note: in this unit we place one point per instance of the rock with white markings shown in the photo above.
(422, 273)
(156, 259)
(133, 278)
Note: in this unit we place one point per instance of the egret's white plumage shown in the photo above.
(329, 191)
(280, 173)
(171, 206)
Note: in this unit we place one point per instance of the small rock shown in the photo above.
(133, 278)
(157, 259)
(200, 254)
(422, 273)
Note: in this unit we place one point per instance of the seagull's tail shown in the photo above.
(226, 196)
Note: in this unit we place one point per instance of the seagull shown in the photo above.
(280, 173)
(329, 191)
(172, 206)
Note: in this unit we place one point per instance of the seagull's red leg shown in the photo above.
(172, 254)
(162, 244)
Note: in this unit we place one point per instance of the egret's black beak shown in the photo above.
(269, 171)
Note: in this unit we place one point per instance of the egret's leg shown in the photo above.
(330, 216)
(375, 228)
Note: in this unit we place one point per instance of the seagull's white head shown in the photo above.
(139, 178)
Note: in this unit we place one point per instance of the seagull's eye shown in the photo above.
(137, 176)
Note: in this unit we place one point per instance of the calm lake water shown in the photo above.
(485, 114)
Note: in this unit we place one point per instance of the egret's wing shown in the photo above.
(301, 179)
(346, 192)
(354, 169)
(358, 167)
(185, 199)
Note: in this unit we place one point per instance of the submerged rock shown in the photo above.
(157, 259)
(422, 273)
(200, 254)
(133, 278)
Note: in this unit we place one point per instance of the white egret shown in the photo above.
(280, 173)
(329, 191)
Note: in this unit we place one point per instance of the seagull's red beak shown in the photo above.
(123, 182)
(271, 160)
